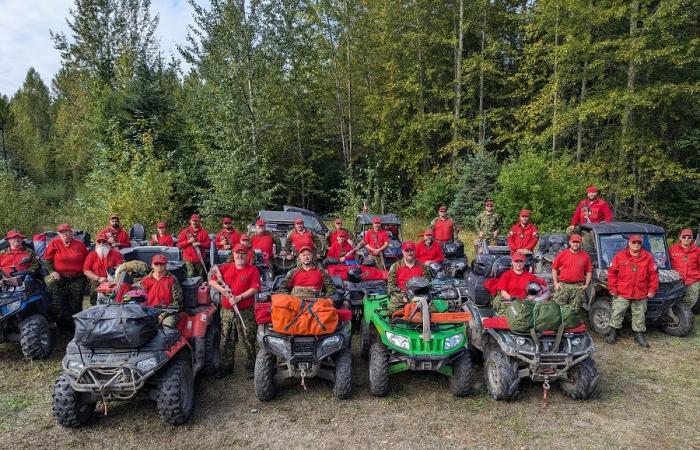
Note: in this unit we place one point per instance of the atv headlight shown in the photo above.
(399, 341)
(279, 346)
(575, 342)
(75, 366)
(12, 307)
(453, 341)
(520, 341)
(329, 345)
(459, 265)
(147, 364)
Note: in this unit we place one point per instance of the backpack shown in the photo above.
(546, 316)
(519, 315)
(303, 317)
(125, 325)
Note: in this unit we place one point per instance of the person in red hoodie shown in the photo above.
(98, 262)
(162, 237)
(11, 257)
(243, 281)
(685, 259)
(163, 289)
(65, 283)
(428, 251)
(443, 226)
(341, 249)
(632, 279)
(399, 274)
(512, 284)
(116, 236)
(228, 236)
(523, 235)
(194, 242)
(591, 209)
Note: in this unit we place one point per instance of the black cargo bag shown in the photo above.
(125, 325)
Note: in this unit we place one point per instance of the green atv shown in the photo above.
(398, 344)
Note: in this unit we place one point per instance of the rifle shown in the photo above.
(229, 294)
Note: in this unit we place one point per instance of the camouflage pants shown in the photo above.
(232, 332)
(378, 260)
(499, 305)
(169, 320)
(479, 241)
(93, 291)
(66, 296)
(195, 269)
(570, 294)
(639, 309)
(692, 291)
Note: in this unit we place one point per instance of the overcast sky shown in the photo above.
(25, 40)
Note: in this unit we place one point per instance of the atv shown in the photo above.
(163, 369)
(603, 241)
(424, 340)
(24, 314)
(281, 356)
(455, 264)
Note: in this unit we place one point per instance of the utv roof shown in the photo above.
(279, 216)
(623, 228)
(366, 219)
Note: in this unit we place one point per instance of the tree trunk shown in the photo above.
(627, 118)
(458, 78)
(482, 119)
(579, 137)
(300, 149)
(556, 84)
(349, 84)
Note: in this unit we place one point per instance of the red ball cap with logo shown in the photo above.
(101, 237)
(443, 208)
(518, 256)
(428, 233)
(377, 220)
(260, 222)
(162, 225)
(159, 259)
(64, 227)
(240, 248)
(12, 234)
(305, 248)
(408, 245)
(226, 220)
(195, 218)
(299, 220)
(525, 212)
(575, 238)
(635, 237)
(687, 232)
(338, 221)
(592, 189)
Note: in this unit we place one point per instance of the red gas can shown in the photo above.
(203, 294)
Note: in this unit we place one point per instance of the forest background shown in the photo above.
(335, 104)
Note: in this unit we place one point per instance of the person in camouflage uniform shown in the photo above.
(685, 259)
(399, 274)
(307, 280)
(240, 283)
(65, 283)
(163, 289)
(488, 223)
(300, 237)
(571, 274)
(12, 256)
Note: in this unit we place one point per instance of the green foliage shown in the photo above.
(477, 181)
(436, 189)
(550, 187)
(19, 205)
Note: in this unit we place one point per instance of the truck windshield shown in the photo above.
(655, 244)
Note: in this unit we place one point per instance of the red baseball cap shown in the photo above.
(592, 189)
(240, 248)
(305, 248)
(442, 208)
(339, 221)
(342, 233)
(488, 202)
(101, 237)
(64, 227)
(162, 225)
(575, 238)
(377, 220)
(113, 216)
(299, 220)
(244, 237)
(525, 212)
(14, 234)
(260, 222)
(518, 256)
(684, 232)
(227, 220)
(159, 259)
(408, 245)
(428, 233)
(635, 237)
(195, 218)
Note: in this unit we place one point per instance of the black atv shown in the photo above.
(456, 263)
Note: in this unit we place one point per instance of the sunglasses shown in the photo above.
(636, 242)
(686, 237)
(520, 261)
(158, 264)
(524, 217)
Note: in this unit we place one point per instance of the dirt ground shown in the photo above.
(646, 399)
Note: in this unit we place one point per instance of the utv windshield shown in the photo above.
(611, 244)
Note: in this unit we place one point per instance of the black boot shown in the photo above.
(641, 340)
(612, 336)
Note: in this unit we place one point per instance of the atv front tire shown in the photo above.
(175, 396)
(599, 316)
(678, 320)
(581, 380)
(35, 337)
(265, 371)
(461, 380)
(68, 409)
(501, 376)
(378, 370)
(212, 343)
(342, 388)
(696, 307)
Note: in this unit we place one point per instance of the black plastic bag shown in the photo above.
(125, 325)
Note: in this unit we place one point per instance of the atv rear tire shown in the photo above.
(212, 346)
(378, 370)
(35, 337)
(265, 371)
(599, 316)
(365, 339)
(501, 376)
(175, 396)
(678, 320)
(581, 380)
(696, 307)
(68, 409)
(461, 379)
(342, 388)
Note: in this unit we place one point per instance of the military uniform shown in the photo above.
(631, 279)
(487, 223)
(686, 261)
(399, 274)
(307, 283)
(165, 291)
(66, 293)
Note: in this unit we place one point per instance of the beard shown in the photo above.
(102, 250)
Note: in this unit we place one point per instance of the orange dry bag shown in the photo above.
(308, 317)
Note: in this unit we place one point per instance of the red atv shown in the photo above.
(108, 366)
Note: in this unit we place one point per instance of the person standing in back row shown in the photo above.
(591, 209)
(523, 236)
(571, 274)
(194, 242)
(488, 224)
(632, 280)
(443, 227)
(685, 259)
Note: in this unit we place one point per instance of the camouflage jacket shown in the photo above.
(400, 273)
(488, 223)
(288, 283)
(34, 266)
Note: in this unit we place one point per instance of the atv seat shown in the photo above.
(501, 323)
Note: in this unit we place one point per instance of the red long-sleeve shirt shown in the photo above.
(633, 277)
(433, 253)
(99, 266)
(68, 259)
(520, 237)
(599, 211)
(686, 261)
(121, 236)
(188, 252)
